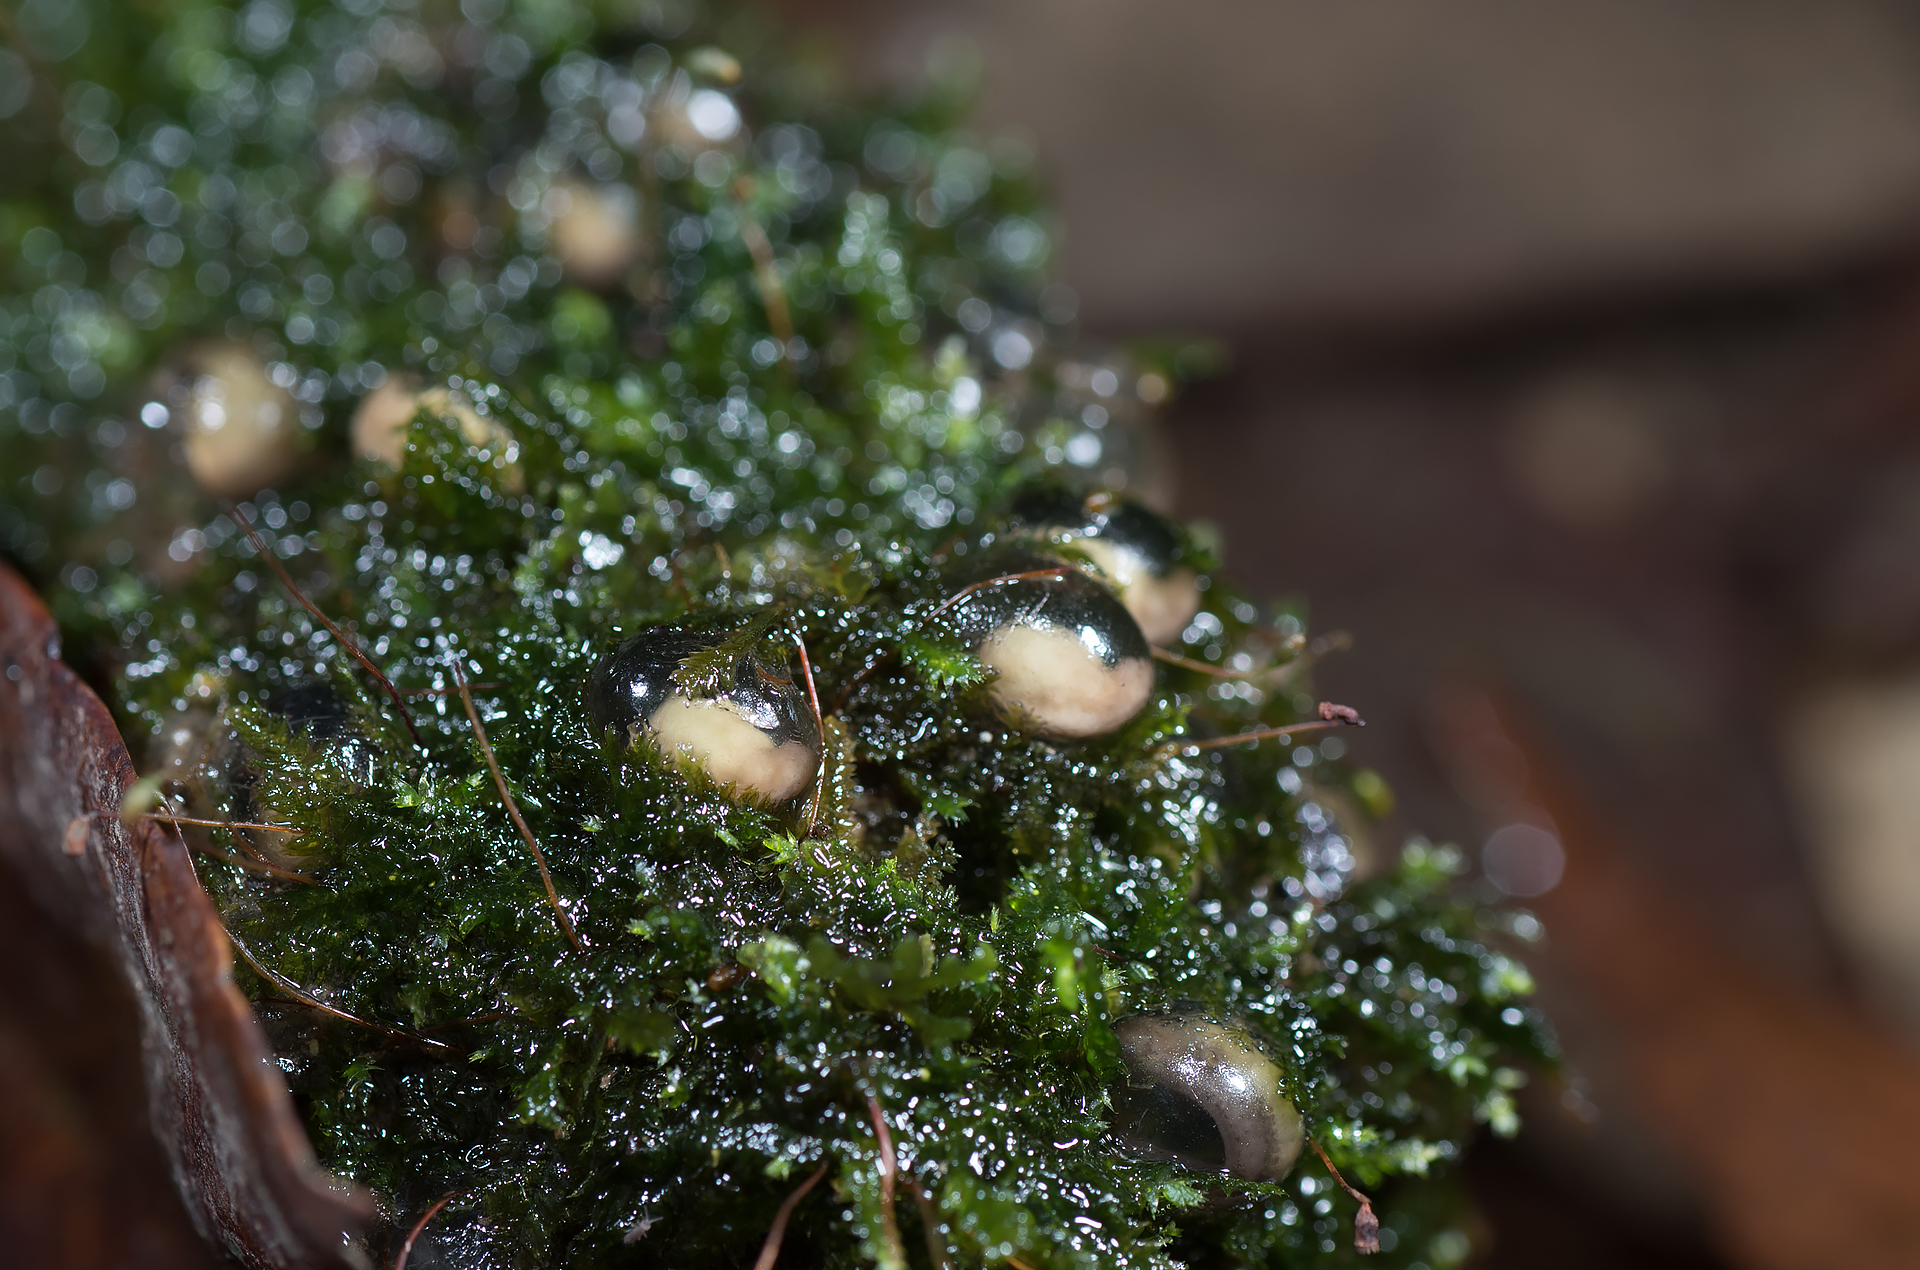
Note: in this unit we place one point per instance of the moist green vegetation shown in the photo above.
(830, 364)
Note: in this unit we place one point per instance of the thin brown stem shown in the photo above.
(770, 1250)
(640, 282)
(1272, 673)
(929, 1222)
(312, 1002)
(1186, 746)
(273, 562)
(253, 853)
(440, 692)
(773, 294)
(895, 1253)
(513, 808)
(406, 1249)
(1188, 663)
(258, 866)
(853, 685)
(983, 583)
(1366, 1226)
(249, 859)
(164, 818)
(820, 730)
(248, 850)
(1307, 656)
(1331, 716)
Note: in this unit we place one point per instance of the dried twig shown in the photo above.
(406, 1249)
(273, 562)
(983, 583)
(307, 999)
(257, 865)
(165, 818)
(252, 862)
(1331, 716)
(1276, 672)
(895, 1252)
(1366, 1227)
(248, 857)
(513, 808)
(820, 730)
(253, 853)
(929, 1222)
(773, 295)
(1307, 656)
(770, 1250)
(1188, 663)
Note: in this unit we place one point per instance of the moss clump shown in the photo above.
(801, 396)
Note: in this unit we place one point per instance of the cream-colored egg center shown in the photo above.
(240, 424)
(1049, 677)
(381, 420)
(735, 753)
(1162, 606)
(597, 237)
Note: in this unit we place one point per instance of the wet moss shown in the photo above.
(810, 390)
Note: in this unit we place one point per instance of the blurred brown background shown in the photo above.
(1573, 373)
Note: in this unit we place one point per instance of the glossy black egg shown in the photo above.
(1202, 1093)
(1069, 660)
(755, 735)
(1136, 548)
(221, 775)
(317, 709)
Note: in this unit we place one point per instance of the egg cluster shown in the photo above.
(752, 731)
(1066, 655)
(1067, 662)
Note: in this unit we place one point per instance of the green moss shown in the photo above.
(953, 924)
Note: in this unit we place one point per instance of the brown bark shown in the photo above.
(144, 1123)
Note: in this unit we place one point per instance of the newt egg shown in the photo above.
(381, 421)
(1202, 1094)
(1137, 549)
(317, 708)
(596, 233)
(755, 735)
(239, 424)
(1069, 660)
(200, 756)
